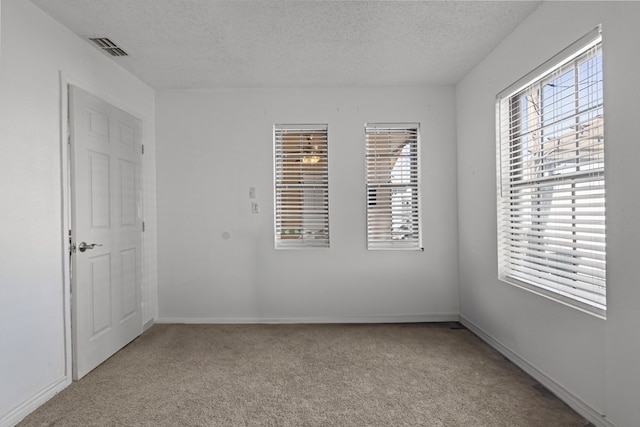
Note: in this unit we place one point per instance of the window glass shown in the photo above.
(551, 202)
(301, 186)
(392, 186)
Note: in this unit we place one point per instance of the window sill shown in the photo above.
(556, 297)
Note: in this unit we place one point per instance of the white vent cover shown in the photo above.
(108, 46)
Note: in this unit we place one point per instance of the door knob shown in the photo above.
(84, 246)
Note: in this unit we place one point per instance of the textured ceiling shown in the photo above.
(233, 44)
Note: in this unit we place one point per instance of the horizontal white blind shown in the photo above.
(301, 186)
(551, 203)
(393, 215)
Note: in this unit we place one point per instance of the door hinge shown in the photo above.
(143, 226)
(142, 148)
(72, 246)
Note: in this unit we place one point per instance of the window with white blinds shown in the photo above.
(393, 214)
(301, 186)
(551, 201)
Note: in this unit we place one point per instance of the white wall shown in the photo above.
(214, 145)
(35, 49)
(594, 364)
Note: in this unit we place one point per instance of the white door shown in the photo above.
(106, 221)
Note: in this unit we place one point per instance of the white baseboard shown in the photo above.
(562, 393)
(25, 408)
(384, 318)
(148, 325)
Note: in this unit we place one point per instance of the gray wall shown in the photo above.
(590, 361)
(35, 50)
(214, 145)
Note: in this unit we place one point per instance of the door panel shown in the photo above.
(106, 211)
(98, 125)
(127, 193)
(100, 285)
(128, 262)
(99, 190)
(127, 136)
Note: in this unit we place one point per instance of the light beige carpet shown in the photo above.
(306, 375)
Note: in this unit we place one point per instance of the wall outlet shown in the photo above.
(254, 207)
(252, 192)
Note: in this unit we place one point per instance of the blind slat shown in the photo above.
(551, 204)
(392, 179)
(301, 177)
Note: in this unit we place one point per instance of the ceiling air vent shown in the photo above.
(108, 46)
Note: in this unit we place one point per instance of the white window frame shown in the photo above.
(301, 182)
(550, 176)
(393, 220)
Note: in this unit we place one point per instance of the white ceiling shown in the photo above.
(257, 44)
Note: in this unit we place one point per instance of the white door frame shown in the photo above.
(65, 172)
